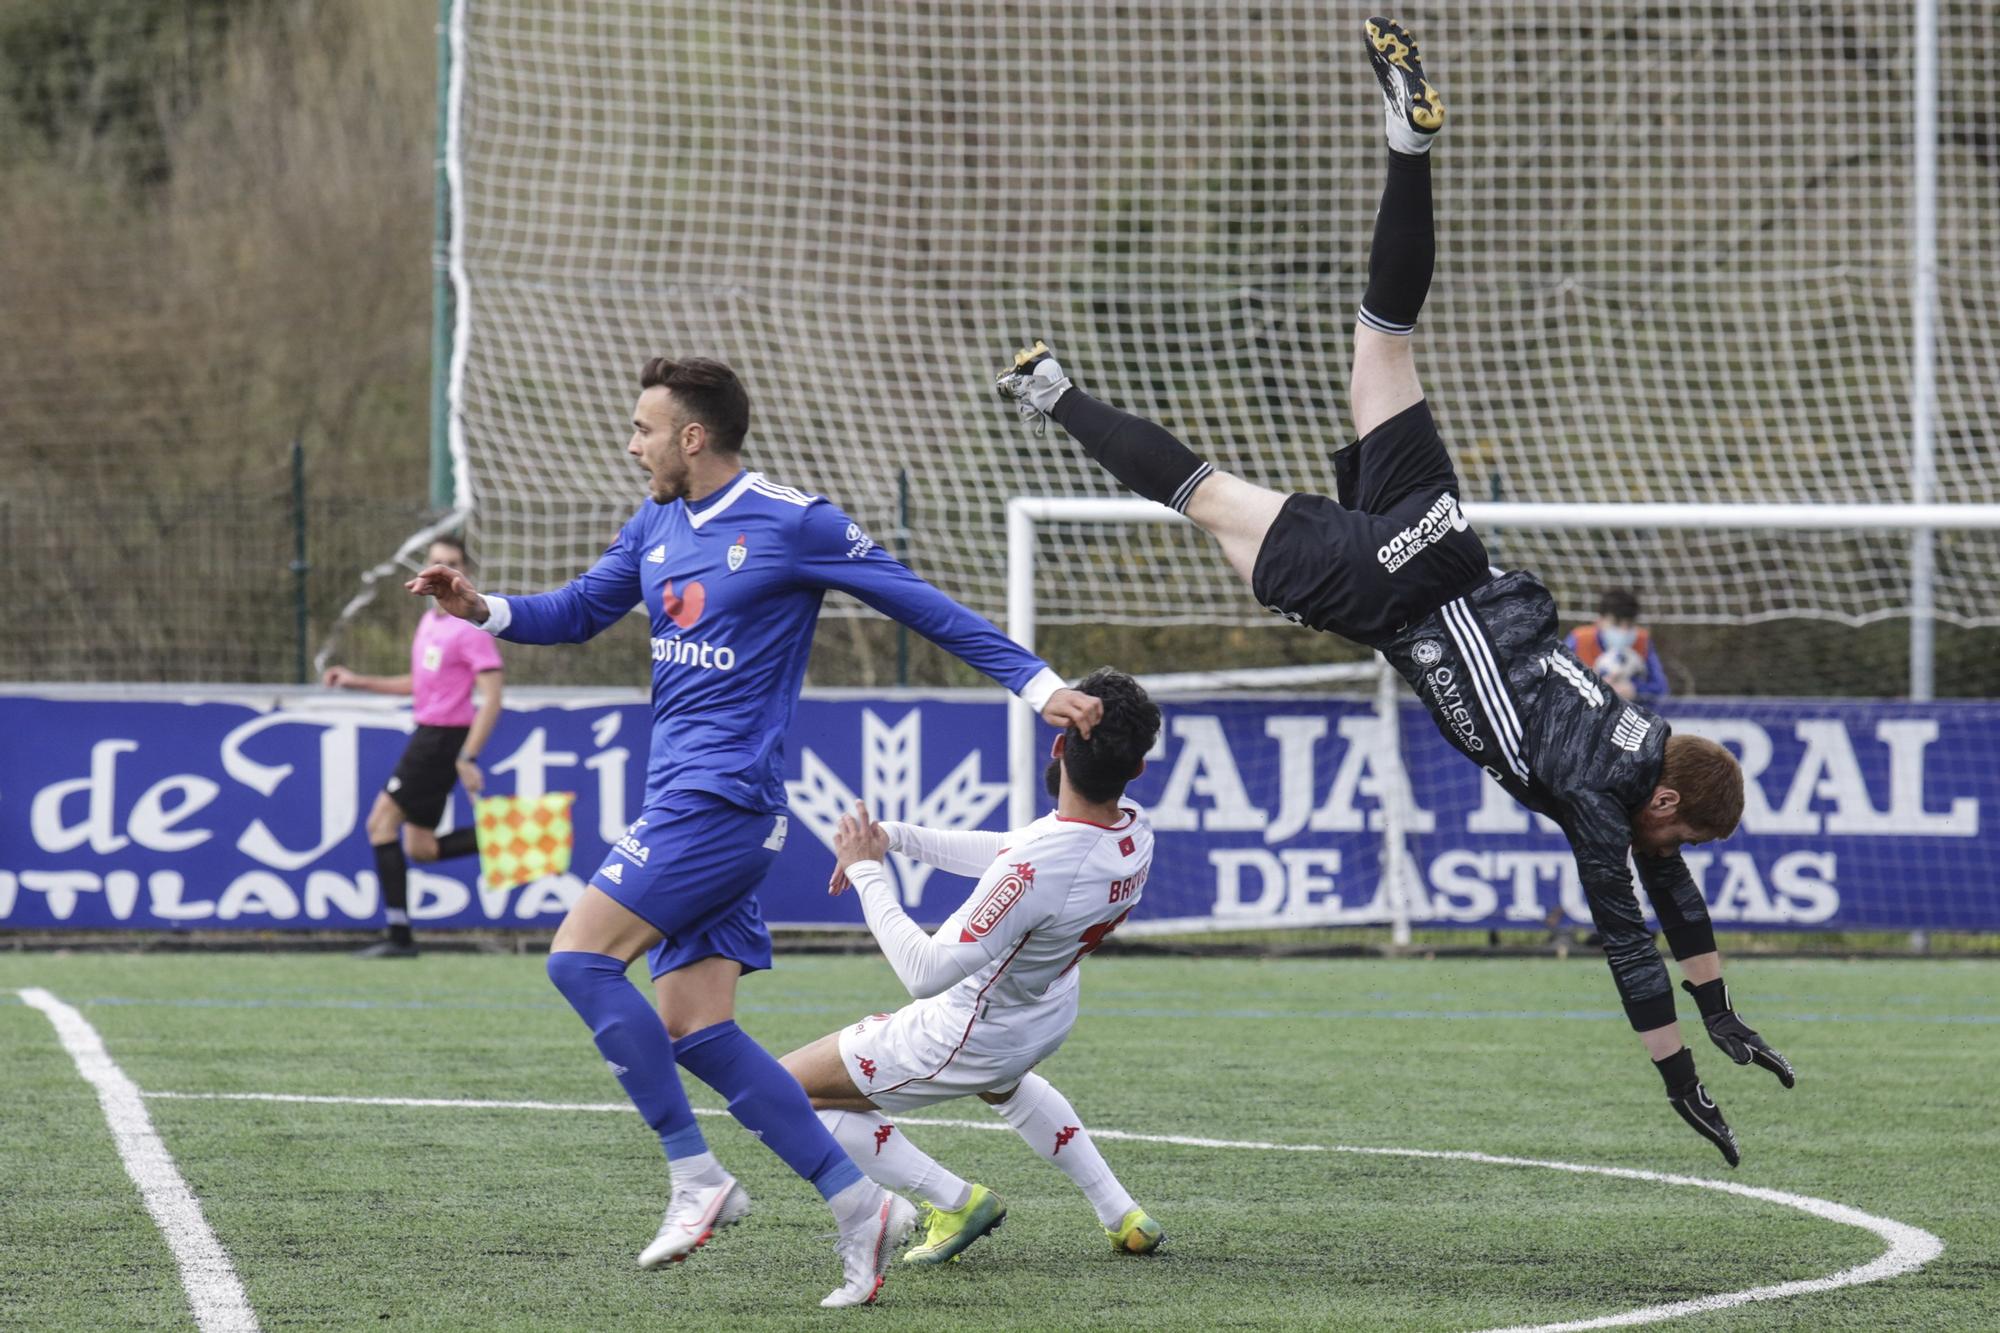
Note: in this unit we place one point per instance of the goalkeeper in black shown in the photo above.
(1393, 564)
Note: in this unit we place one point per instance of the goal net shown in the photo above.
(1677, 246)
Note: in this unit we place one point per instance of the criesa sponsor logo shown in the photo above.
(1450, 701)
(688, 653)
(1002, 896)
(1439, 521)
(1428, 653)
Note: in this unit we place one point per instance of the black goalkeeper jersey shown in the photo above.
(1507, 694)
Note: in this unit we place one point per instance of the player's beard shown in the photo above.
(1052, 777)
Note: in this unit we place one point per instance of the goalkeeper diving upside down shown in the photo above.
(1393, 564)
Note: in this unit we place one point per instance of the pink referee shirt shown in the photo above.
(444, 657)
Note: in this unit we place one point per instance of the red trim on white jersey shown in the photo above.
(966, 1035)
(1125, 823)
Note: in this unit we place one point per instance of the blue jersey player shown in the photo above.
(731, 569)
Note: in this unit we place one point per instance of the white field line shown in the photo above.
(214, 1293)
(1910, 1248)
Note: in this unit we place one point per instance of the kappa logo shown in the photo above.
(739, 551)
(866, 1066)
(1063, 1136)
(1011, 888)
(684, 608)
(882, 1132)
(614, 872)
(1428, 653)
(658, 555)
(1630, 731)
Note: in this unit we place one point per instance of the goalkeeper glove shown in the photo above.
(1695, 1106)
(1737, 1039)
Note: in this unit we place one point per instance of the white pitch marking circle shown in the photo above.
(1910, 1248)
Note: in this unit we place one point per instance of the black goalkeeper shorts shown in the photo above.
(425, 775)
(1392, 549)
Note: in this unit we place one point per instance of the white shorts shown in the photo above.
(929, 1052)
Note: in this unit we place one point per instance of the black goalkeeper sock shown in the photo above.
(1677, 1072)
(1711, 997)
(1143, 455)
(393, 873)
(465, 842)
(1404, 250)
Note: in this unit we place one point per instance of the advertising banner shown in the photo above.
(247, 811)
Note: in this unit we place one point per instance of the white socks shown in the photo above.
(701, 1171)
(887, 1157)
(853, 1205)
(1044, 1117)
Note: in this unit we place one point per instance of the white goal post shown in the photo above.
(1026, 514)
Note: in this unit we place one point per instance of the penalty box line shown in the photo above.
(214, 1292)
(1909, 1247)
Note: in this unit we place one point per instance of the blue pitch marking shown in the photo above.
(1102, 1011)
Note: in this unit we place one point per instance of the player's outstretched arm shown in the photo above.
(1691, 939)
(925, 963)
(959, 851)
(832, 552)
(581, 609)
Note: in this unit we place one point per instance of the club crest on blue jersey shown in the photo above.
(738, 552)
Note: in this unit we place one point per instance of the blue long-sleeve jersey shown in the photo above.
(732, 584)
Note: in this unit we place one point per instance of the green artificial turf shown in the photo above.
(340, 1215)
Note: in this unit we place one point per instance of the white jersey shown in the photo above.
(1050, 896)
(997, 981)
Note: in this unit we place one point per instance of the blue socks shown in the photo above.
(634, 1042)
(767, 1101)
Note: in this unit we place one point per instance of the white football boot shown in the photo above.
(1034, 384)
(693, 1215)
(867, 1246)
(1413, 109)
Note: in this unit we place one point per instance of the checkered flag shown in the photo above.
(522, 838)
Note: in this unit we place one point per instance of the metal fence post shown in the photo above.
(300, 569)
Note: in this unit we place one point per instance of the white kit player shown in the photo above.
(996, 986)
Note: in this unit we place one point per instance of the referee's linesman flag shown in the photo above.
(522, 838)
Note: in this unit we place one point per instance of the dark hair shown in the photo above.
(452, 539)
(708, 392)
(1619, 604)
(1101, 765)
(1710, 783)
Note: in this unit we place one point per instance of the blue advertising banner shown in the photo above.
(247, 811)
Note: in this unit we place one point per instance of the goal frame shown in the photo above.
(1025, 514)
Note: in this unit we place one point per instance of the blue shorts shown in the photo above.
(690, 867)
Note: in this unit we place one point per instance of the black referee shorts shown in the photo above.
(425, 775)
(1392, 549)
